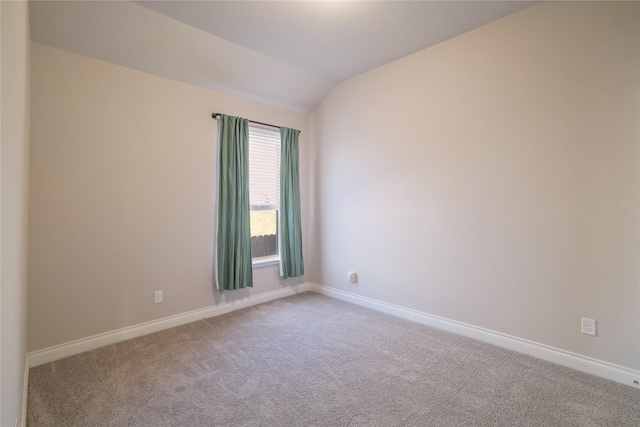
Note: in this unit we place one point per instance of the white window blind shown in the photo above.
(264, 168)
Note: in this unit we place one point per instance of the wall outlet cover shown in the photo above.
(157, 297)
(588, 326)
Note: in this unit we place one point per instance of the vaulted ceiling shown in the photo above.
(287, 54)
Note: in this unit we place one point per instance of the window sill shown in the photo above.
(265, 261)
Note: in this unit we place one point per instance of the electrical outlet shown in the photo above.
(157, 297)
(588, 326)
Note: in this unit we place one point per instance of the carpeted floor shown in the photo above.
(310, 360)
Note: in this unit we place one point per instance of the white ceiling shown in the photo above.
(287, 54)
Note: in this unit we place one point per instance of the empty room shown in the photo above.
(320, 213)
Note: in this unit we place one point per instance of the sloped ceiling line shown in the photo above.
(286, 54)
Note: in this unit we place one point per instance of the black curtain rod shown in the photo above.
(216, 115)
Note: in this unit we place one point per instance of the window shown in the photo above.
(264, 191)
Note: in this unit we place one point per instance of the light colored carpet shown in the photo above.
(310, 360)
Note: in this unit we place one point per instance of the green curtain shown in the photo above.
(234, 270)
(291, 262)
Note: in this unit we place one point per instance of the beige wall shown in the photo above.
(494, 179)
(122, 196)
(14, 112)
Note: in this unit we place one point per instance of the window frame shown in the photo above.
(267, 260)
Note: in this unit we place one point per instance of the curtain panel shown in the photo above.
(233, 254)
(291, 262)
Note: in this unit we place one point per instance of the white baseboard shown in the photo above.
(61, 351)
(561, 357)
(25, 385)
(575, 361)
